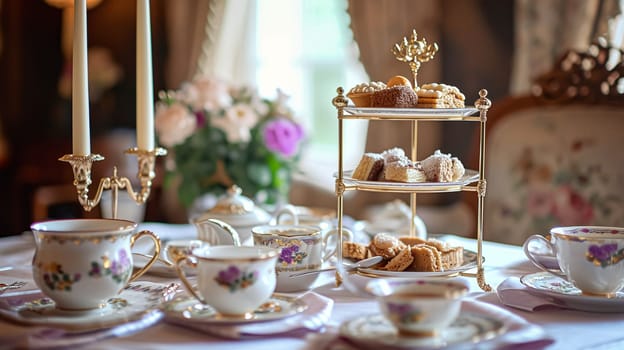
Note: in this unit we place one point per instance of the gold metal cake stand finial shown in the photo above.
(414, 52)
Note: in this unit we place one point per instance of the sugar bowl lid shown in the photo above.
(237, 210)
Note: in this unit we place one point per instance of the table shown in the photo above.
(570, 329)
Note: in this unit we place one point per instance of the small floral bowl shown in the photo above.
(419, 307)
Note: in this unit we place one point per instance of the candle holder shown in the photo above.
(414, 52)
(81, 166)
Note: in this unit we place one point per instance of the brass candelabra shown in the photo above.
(81, 166)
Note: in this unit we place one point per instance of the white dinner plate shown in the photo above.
(186, 310)
(138, 301)
(567, 295)
(470, 262)
(469, 177)
(376, 332)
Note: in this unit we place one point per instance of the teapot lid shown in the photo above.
(237, 209)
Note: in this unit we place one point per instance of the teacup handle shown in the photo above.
(225, 227)
(184, 279)
(347, 235)
(536, 262)
(152, 259)
(286, 210)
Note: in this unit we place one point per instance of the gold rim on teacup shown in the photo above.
(587, 233)
(265, 254)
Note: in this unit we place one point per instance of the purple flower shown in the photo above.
(283, 136)
(602, 252)
(229, 275)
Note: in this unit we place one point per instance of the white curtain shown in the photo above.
(228, 48)
(186, 23)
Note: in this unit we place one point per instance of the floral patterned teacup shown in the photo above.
(81, 263)
(421, 307)
(590, 257)
(235, 281)
(302, 248)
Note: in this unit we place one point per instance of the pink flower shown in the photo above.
(570, 208)
(283, 136)
(539, 201)
(174, 124)
(205, 93)
(237, 122)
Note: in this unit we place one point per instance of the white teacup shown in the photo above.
(590, 257)
(302, 248)
(235, 281)
(181, 248)
(419, 307)
(81, 263)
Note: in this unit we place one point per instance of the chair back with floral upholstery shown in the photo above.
(557, 158)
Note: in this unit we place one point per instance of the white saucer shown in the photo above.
(470, 261)
(375, 331)
(567, 295)
(189, 310)
(138, 300)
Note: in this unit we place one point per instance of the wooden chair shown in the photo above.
(556, 158)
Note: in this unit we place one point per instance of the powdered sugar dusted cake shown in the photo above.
(393, 155)
(404, 170)
(440, 167)
(370, 167)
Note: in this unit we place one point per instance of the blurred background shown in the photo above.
(307, 48)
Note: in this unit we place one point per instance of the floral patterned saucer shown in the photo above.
(137, 301)
(188, 309)
(562, 292)
(375, 331)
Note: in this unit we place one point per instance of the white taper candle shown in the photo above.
(80, 94)
(144, 83)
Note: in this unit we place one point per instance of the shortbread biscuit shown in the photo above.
(385, 245)
(401, 261)
(426, 258)
(354, 250)
(412, 240)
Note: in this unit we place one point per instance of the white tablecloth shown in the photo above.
(570, 329)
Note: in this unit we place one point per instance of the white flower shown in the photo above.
(237, 122)
(173, 124)
(205, 94)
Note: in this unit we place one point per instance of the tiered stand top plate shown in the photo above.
(430, 114)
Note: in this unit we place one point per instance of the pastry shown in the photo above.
(354, 250)
(412, 240)
(370, 167)
(426, 258)
(361, 93)
(399, 96)
(398, 80)
(404, 170)
(401, 261)
(437, 95)
(452, 257)
(393, 155)
(440, 167)
(385, 245)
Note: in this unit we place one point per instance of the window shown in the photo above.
(306, 48)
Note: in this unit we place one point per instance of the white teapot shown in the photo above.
(241, 213)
